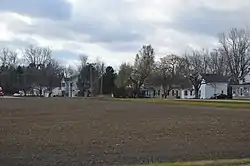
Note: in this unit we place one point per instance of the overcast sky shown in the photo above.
(114, 30)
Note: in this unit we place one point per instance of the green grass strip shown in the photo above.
(211, 103)
(229, 162)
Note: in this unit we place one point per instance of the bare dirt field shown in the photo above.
(100, 132)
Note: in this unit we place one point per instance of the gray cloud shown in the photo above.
(85, 30)
(124, 47)
(54, 9)
(210, 22)
(43, 27)
(64, 54)
(18, 43)
(105, 31)
(109, 26)
(116, 28)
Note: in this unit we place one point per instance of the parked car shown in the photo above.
(16, 94)
(220, 96)
(1, 91)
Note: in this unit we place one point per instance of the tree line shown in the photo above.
(95, 76)
(35, 67)
(231, 59)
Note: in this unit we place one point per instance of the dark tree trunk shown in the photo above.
(196, 92)
(40, 92)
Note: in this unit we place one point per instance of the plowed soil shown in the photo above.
(76, 132)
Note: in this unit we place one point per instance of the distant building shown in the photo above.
(69, 86)
(212, 84)
(242, 90)
(151, 91)
(187, 91)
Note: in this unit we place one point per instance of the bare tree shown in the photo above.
(39, 59)
(143, 65)
(100, 67)
(169, 72)
(13, 59)
(102, 72)
(37, 55)
(235, 47)
(8, 57)
(52, 75)
(4, 56)
(123, 78)
(217, 63)
(196, 64)
(83, 61)
(69, 71)
(98, 79)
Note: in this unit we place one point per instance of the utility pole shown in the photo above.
(90, 77)
(71, 90)
(102, 71)
(101, 85)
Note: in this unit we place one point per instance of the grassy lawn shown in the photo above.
(233, 162)
(212, 103)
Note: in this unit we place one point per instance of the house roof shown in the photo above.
(247, 83)
(186, 84)
(211, 78)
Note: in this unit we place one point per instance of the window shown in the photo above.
(222, 92)
(191, 92)
(159, 92)
(172, 92)
(63, 84)
(244, 80)
(185, 92)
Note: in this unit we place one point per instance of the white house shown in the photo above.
(213, 84)
(183, 90)
(69, 86)
(187, 93)
(242, 90)
(151, 91)
(55, 92)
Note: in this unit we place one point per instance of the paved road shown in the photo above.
(245, 101)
